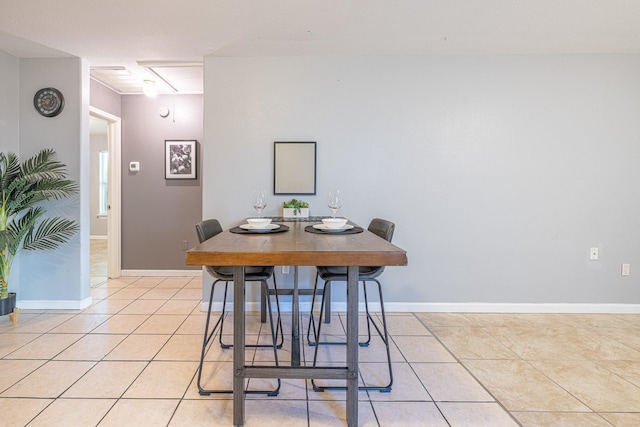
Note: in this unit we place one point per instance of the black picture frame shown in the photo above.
(180, 159)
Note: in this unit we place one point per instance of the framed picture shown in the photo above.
(180, 159)
(294, 168)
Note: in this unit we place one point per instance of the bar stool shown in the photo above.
(383, 229)
(207, 229)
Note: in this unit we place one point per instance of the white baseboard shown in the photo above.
(410, 307)
(54, 304)
(98, 237)
(156, 273)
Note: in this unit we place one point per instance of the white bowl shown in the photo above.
(259, 222)
(334, 222)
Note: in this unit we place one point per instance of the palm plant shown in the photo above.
(22, 226)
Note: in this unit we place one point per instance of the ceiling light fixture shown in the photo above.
(149, 88)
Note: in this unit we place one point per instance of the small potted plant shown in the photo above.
(295, 208)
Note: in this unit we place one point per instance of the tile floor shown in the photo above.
(131, 359)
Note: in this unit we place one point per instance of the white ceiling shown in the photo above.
(125, 33)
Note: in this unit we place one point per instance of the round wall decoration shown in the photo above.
(48, 101)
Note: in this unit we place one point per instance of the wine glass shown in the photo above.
(335, 201)
(259, 201)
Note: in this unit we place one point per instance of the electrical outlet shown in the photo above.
(185, 245)
(285, 269)
(625, 269)
(593, 254)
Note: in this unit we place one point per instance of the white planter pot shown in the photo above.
(302, 213)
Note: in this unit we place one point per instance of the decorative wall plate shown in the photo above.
(48, 101)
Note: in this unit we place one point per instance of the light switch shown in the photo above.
(134, 166)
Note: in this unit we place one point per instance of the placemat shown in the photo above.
(354, 230)
(239, 230)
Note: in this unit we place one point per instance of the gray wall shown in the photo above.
(48, 278)
(8, 100)
(499, 171)
(158, 214)
(105, 99)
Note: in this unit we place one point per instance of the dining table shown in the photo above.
(296, 243)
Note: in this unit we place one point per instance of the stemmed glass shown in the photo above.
(259, 201)
(334, 201)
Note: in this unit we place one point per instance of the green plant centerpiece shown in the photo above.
(23, 225)
(296, 205)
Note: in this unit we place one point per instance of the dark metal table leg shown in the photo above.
(238, 346)
(295, 320)
(352, 346)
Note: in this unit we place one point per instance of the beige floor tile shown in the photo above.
(128, 293)
(163, 380)
(406, 384)
(18, 412)
(450, 382)
(50, 380)
(138, 347)
(562, 344)
(195, 282)
(623, 419)
(14, 370)
(630, 337)
(334, 413)
(42, 323)
(142, 306)
(185, 306)
(100, 293)
(10, 342)
(147, 282)
(189, 293)
(91, 347)
(404, 414)
(46, 346)
(468, 414)
(627, 369)
(446, 319)
(174, 282)
(140, 412)
(399, 324)
(473, 343)
(212, 413)
(219, 376)
(121, 324)
(194, 324)
(521, 387)
(159, 293)
(289, 389)
(73, 412)
(422, 348)
(181, 348)
(107, 306)
(106, 380)
(81, 324)
(562, 419)
(593, 384)
(161, 324)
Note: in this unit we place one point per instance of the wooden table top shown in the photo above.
(296, 247)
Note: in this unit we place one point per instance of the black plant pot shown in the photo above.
(8, 304)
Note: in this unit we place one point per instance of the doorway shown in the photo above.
(105, 209)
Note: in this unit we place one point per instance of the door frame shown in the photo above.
(114, 190)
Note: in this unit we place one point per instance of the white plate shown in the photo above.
(251, 227)
(329, 229)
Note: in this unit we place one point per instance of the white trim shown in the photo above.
(156, 273)
(114, 135)
(54, 304)
(410, 307)
(97, 237)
